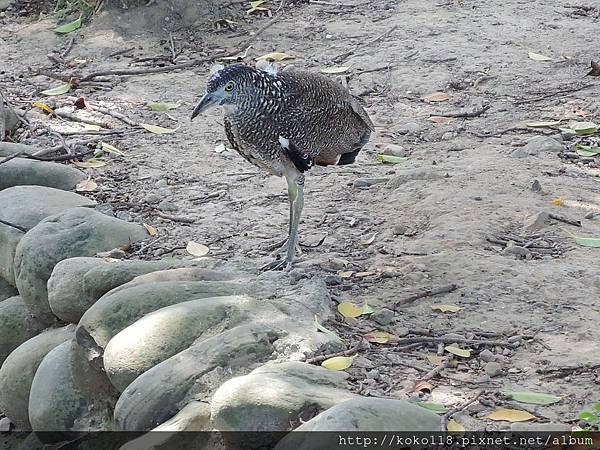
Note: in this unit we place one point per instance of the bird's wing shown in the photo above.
(301, 160)
(360, 112)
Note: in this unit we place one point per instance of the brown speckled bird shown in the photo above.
(285, 122)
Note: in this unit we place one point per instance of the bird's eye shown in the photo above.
(229, 87)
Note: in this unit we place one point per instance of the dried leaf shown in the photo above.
(436, 97)
(454, 426)
(274, 56)
(162, 106)
(558, 201)
(158, 130)
(110, 149)
(80, 103)
(595, 72)
(435, 407)
(90, 163)
(380, 337)
(150, 229)
(539, 57)
(326, 331)
(345, 274)
(584, 128)
(196, 249)
(68, 27)
(335, 70)
(446, 308)
(369, 241)
(464, 353)
(542, 124)
(423, 386)
(43, 107)
(338, 362)
(91, 127)
(533, 398)
(257, 6)
(88, 185)
(58, 90)
(511, 415)
(435, 359)
(390, 159)
(348, 309)
(440, 119)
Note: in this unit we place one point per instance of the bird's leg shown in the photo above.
(296, 199)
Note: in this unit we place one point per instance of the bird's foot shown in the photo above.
(282, 247)
(278, 264)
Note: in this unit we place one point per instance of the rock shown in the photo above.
(590, 214)
(167, 206)
(303, 390)
(540, 427)
(16, 326)
(493, 369)
(120, 308)
(195, 416)
(383, 316)
(411, 175)
(487, 355)
(4, 4)
(26, 172)
(409, 128)
(59, 403)
(77, 283)
(517, 250)
(115, 253)
(75, 232)
(519, 153)
(41, 202)
(360, 415)
(399, 230)
(152, 198)
(159, 335)
(537, 221)
(367, 182)
(146, 403)
(18, 370)
(161, 183)
(333, 280)
(536, 186)
(542, 144)
(6, 290)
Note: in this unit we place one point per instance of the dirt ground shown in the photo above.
(459, 186)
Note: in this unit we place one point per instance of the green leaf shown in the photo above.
(586, 150)
(338, 362)
(366, 309)
(335, 70)
(587, 241)
(597, 407)
(69, 27)
(326, 331)
(588, 417)
(391, 159)
(584, 128)
(58, 90)
(533, 397)
(464, 353)
(435, 407)
(163, 106)
(110, 149)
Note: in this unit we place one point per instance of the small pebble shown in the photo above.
(589, 215)
(383, 316)
(493, 369)
(487, 356)
(167, 206)
(152, 198)
(536, 186)
(399, 230)
(5, 425)
(506, 352)
(161, 183)
(333, 280)
(373, 374)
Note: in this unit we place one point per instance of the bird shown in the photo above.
(285, 121)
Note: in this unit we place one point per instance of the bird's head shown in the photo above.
(228, 87)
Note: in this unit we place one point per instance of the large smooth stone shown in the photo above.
(6, 290)
(117, 310)
(10, 148)
(362, 414)
(67, 394)
(27, 172)
(75, 232)
(273, 396)
(16, 325)
(77, 283)
(159, 335)
(18, 370)
(41, 202)
(146, 403)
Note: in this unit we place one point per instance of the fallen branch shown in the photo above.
(74, 118)
(568, 369)
(452, 340)
(115, 114)
(175, 218)
(449, 414)
(357, 348)
(427, 293)
(465, 114)
(553, 94)
(563, 219)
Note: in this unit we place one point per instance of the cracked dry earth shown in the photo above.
(443, 216)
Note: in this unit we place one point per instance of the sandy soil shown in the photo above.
(458, 186)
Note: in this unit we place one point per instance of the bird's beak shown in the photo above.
(207, 102)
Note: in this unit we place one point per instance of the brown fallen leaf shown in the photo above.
(595, 72)
(150, 229)
(80, 103)
(380, 337)
(440, 119)
(436, 97)
(423, 386)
